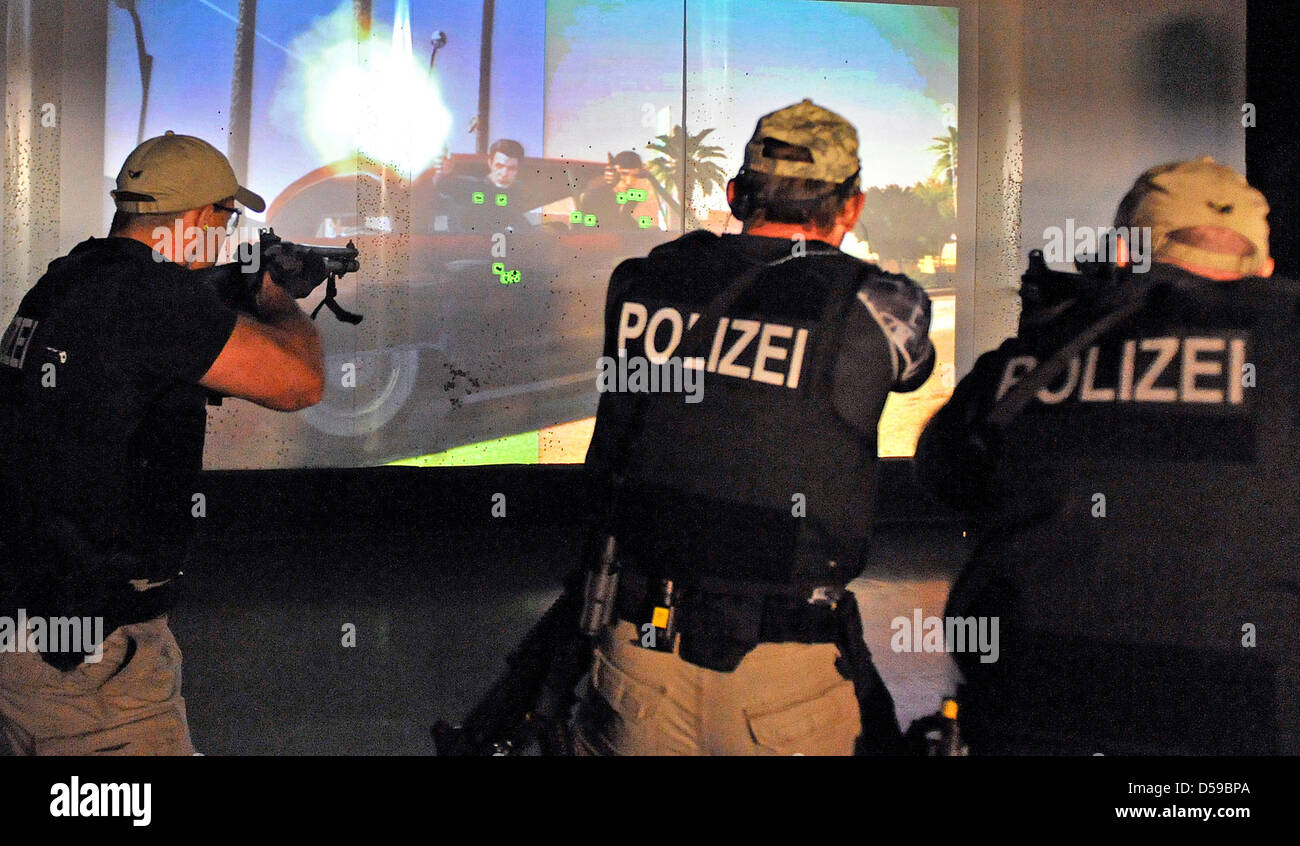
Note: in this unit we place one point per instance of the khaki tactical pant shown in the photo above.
(783, 699)
(127, 704)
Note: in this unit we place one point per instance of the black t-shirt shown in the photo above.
(103, 417)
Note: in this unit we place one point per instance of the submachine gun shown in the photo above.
(298, 268)
(530, 702)
(1046, 294)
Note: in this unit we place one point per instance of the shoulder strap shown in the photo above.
(728, 297)
(1022, 393)
(719, 306)
(694, 339)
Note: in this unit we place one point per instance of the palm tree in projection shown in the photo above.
(945, 165)
(681, 152)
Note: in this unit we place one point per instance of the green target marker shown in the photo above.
(477, 197)
(502, 199)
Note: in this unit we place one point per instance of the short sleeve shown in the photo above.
(885, 347)
(902, 311)
(176, 325)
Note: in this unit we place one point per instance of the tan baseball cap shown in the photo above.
(804, 141)
(1180, 195)
(173, 173)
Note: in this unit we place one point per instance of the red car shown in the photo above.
(450, 352)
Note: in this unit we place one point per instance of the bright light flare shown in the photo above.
(374, 97)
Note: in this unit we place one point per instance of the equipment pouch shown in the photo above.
(719, 630)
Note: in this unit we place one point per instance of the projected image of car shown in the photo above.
(483, 308)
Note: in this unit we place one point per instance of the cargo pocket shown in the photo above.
(826, 724)
(630, 697)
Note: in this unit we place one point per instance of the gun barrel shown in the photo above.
(340, 265)
(338, 260)
(327, 252)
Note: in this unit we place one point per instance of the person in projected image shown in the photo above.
(625, 172)
(470, 205)
(1131, 467)
(103, 385)
(741, 511)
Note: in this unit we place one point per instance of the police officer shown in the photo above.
(1133, 468)
(103, 372)
(742, 512)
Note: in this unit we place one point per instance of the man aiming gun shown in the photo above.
(103, 383)
(1130, 465)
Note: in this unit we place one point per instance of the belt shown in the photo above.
(772, 613)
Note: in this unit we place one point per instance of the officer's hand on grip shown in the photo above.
(298, 273)
(272, 298)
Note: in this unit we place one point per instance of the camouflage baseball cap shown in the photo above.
(1180, 195)
(173, 173)
(804, 141)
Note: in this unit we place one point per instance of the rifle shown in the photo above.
(1046, 294)
(298, 268)
(532, 699)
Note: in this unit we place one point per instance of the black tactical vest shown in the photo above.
(759, 481)
(1140, 534)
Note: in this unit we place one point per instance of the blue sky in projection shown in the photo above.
(888, 69)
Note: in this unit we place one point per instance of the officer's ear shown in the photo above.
(1121, 252)
(207, 217)
(1267, 269)
(731, 192)
(848, 216)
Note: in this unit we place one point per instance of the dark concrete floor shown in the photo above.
(262, 629)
